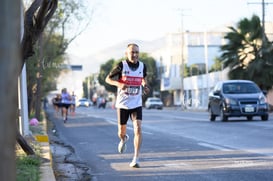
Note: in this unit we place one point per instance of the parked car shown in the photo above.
(236, 98)
(83, 102)
(154, 102)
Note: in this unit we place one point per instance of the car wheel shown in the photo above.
(249, 118)
(264, 117)
(223, 117)
(212, 116)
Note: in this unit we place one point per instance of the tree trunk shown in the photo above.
(36, 18)
(9, 58)
(39, 80)
(24, 144)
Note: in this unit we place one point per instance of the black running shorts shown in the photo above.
(124, 114)
(66, 105)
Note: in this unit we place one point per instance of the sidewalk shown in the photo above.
(46, 169)
(47, 173)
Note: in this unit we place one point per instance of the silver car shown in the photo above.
(154, 102)
(83, 102)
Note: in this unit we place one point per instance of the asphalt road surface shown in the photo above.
(177, 145)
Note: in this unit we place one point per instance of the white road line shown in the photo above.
(214, 146)
(190, 118)
(114, 122)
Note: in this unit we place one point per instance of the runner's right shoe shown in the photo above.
(122, 144)
(135, 163)
(65, 119)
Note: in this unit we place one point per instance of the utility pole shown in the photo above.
(263, 15)
(183, 106)
(182, 63)
(206, 59)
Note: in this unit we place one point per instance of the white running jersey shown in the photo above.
(131, 97)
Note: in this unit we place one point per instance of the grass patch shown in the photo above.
(28, 167)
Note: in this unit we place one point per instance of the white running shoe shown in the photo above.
(122, 144)
(135, 163)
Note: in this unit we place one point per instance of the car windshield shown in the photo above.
(240, 88)
(154, 100)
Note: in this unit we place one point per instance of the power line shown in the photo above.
(263, 3)
(263, 15)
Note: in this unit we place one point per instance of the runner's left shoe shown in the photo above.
(122, 144)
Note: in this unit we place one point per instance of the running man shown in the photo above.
(129, 77)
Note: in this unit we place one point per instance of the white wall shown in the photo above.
(196, 88)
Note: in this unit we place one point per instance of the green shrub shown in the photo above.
(28, 168)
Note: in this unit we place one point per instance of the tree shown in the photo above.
(152, 72)
(36, 17)
(104, 70)
(217, 66)
(66, 24)
(9, 66)
(49, 69)
(70, 20)
(248, 53)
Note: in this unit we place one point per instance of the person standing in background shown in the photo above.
(73, 104)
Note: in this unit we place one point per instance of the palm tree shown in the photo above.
(248, 53)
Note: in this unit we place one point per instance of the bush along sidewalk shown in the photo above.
(28, 167)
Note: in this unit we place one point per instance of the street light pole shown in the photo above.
(263, 15)
(182, 62)
(206, 58)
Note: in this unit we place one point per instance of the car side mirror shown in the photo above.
(216, 93)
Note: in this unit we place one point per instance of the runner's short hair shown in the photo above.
(132, 44)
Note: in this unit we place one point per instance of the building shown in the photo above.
(187, 49)
(192, 48)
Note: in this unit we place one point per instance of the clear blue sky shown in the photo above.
(117, 20)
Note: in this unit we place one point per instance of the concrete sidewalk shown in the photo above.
(46, 167)
(47, 173)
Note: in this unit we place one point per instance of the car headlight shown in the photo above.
(262, 100)
(230, 101)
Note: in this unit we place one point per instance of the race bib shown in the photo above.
(132, 90)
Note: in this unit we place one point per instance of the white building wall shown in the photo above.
(196, 88)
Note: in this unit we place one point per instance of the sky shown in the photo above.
(115, 21)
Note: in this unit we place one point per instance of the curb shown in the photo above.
(47, 173)
(46, 168)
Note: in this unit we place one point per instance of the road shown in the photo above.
(177, 145)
